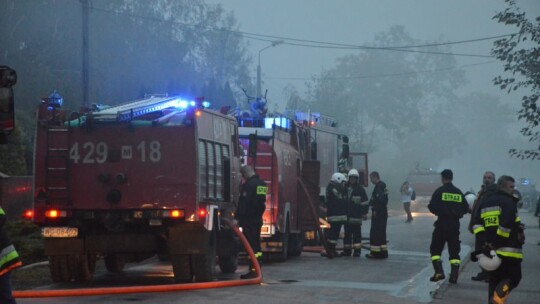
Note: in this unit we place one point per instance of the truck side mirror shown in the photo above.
(345, 148)
(8, 78)
(252, 150)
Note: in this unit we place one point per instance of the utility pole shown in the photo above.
(85, 13)
(274, 43)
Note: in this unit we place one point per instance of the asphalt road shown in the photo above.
(310, 278)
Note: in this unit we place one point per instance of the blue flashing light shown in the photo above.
(192, 103)
(183, 104)
(278, 121)
(206, 104)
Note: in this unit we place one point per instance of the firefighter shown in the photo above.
(336, 211)
(251, 206)
(488, 188)
(9, 260)
(357, 208)
(379, 217)
(449, 205)
(497, 226)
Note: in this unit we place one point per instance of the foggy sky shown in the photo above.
(356, 22)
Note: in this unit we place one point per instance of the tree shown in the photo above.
(12, 155)
(135, 47)
(521, 56)
(384, 92)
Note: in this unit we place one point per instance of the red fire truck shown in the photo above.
(153, 176)
(296, 156)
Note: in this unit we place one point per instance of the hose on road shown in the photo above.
(151, 288)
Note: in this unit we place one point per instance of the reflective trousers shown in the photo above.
(377, 234)
(353, 236)
(446, 232)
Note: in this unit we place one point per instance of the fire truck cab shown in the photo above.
(279, 150)
(152, 176)
(295, 154)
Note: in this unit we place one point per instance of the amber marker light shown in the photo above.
(176, 213)
(52, 213)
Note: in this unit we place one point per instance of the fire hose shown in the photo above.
(151, 288)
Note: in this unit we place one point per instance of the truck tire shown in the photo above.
(296, 244)
(284, 238)
(58, 266)
(203, 266)
(114, 262)
(181, 265)
(228, 263)
(81, 267)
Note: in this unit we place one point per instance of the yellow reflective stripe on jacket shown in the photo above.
(436, 258)
(455, 262)
(493, 211)
(478, 228)
(518, 220)
(504, 232)
(510, 252)
(7, 255)
(337, 218)
(261, 190)
(451, 197)
(2, 211)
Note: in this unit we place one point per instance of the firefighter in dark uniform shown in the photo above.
(251, 206)
(497, 226)
(449, 205)
(9, 260)
(357, 208)
(487, 189)
(336, 211)
(379, 217)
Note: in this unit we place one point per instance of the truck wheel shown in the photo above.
(228, 263)
(296, 244)
(181, 265)
(114, 262)
(284, 238)
(81, 267)
(58, 266)
(203, 266)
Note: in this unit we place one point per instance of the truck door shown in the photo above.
(359, 161)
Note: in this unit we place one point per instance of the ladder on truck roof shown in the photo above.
(129, 111)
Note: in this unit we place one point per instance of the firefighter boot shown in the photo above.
(356, 253)
(501, 293)
(252, 273)
(329, 252)
(454, 273)
(249, 275)
(347, 252)
(439, 272)
(333, 253)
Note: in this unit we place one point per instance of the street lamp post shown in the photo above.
(274, 43)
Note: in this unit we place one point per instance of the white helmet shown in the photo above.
(354, 172)
(489, 263)
(470, 198)
(338, 178)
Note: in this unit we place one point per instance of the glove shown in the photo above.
(486, 250)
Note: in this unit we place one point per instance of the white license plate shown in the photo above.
(63, 232)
